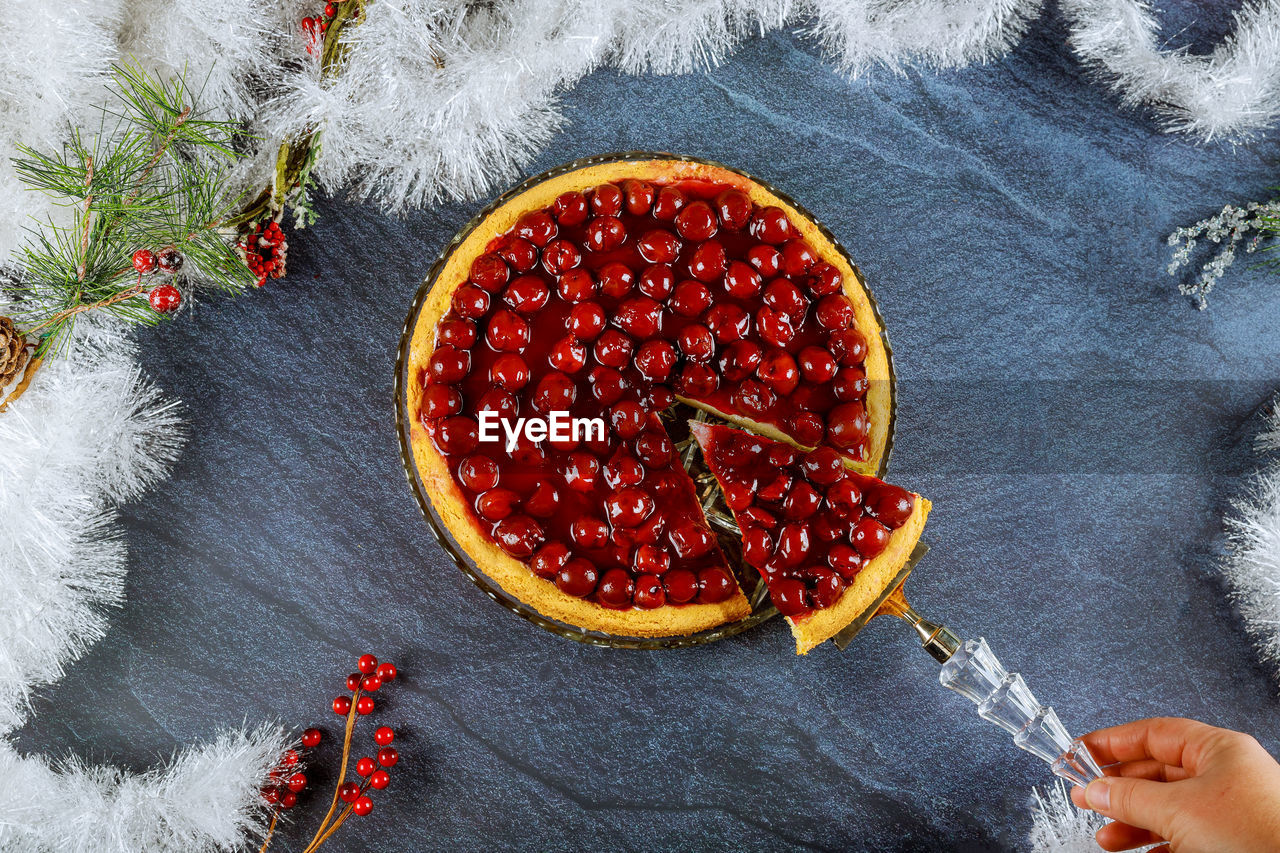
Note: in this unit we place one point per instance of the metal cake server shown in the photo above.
(972, 670)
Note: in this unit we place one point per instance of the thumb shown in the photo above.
(1137, 802)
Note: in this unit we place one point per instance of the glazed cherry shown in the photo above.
(741, 280)
(627, 418)
(715, 585)
(770, 225)
(489, 272)
(478, 473)
(850, 384)
(844, 560)
(639, 316)
(441, 400)
(659, 398)
(658, 246)
(613, 349)
(586, 321)
(507, 331)
(519, 253)
(623, 469)
(561, 256)
(845, 498)
(628, 506)
(527, 294)
(798, 258)
(649, 593)
(757, 546)
(788, 595)
(510, 371)
(708, 262)
(698, 380)
(589, 533)
(834, 312)
(669, 202)
(616, 588)
(697, 221)
(728, 322)
(657, 281)
(696, 343)
(578, 578)
(827, 588)
(549, 560)
(638, 197)
(794, 543)
(654, 449)
(655, 360)
(807, 428)
(847, 425)
(734, 209)
(519, 536)
(778, 370)
(576, 286)
(570, 208)
(543, 501)
(568, 355)
(456, 435)
(802, 501)
(691, 539)
(681, 586)
(448, 364)
(783, 295)
(496, 504)
(824, 279)
(690, 298)
(499, 401)
(537, 227)
(555, 392)
(605, 233)
(606, 200)
(890, 505)
(766, 259)
(470, 301)
(849, 346)
(581, 470)
(822, 465)
(816, 365)
(616, 279)
(457, 333)
(869, 537)
(607, 385)
(739, 360)
(775, 327)
(752, 397)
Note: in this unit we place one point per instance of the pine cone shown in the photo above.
(13, 353)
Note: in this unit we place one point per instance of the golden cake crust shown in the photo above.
(515, 577)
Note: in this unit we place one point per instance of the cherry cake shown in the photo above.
(611, 291)
(825, 539)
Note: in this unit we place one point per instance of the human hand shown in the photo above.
(1198, 788)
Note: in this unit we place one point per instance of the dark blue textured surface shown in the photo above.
(1074, 420)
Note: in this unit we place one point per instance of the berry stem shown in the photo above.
(316, 840)
(271, 828)
(78, 309)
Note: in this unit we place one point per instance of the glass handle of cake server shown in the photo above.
(1003, 698)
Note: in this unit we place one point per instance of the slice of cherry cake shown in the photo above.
(825, 539)
(609, 292)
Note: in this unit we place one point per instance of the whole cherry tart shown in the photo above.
(607, 293)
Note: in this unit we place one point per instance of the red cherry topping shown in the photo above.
(715, 585)
(753, 398)
(728, 322)
(654, 449)
(708, 262)
(691, 298)
(822, 465)
(869, 537)
(696, 222)
(362, 806)
(698, 380)
(555, 392)
(606, 200)
(691, 539)
(311, 738)
(788, 596)
(649, 592)
(576, 286)
(537, 227)
(616, 588)
(739, 360)
(589, 533)
(696, 343)
(586, 321)
(581, 472)
(519, 536)
(757, 546)
(568, 355)
(607, 385)
(890, 505)
(497, 504)
(489, 272)
(628, 506)
(681, 586)
(527, 294)
(627, 418)
(457, 333)
(807, 428)
(797, 257)
(570, 208)
(770, 225)
(509, 371)
(500, 402)
(658, 246)
(441, 400)
(605, 233)
(734, 208)
(849, 346)
(342, 705)
(449, 364)
(782, 295)
(766, 259)
(824, 279)
(816, 365)
(844, 497)
(657, 281)
(775, 327)
(543, 501)
(669, 202)
(470, 301)
(834, 312)
(639, 316)
(801, 501)
(549, 560)
(639, 197)
(778, 370)
(613, 348)
(521, 254)
(578, 577)
(655, 360)
(616, 279)
(379, 779)
(364, 705)
(847, 426)
(507, 331)
(741, 280)
(455, 435)
(845, 560)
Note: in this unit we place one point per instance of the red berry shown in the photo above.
(379, 779)
(370, 683)
(570, 208)
(690, 299)
(470, 301)
(728, 322)
(890, 505)
(797, 257)
(817, 365)
(519, 536)
(362, 806)
(297, 782)
(639, 316)
(364, 705)
(289, 800)
(613, 349)
(696, 222)
(766, 259)
(822, 465)
(509, 371)
(616, 588)
(734, 208)
(144, 260)
(330, 11)
(457, 333)
(353, 681)
(387, 672)
(708, 261)
(439, 401)
(605, 233)
(568, 355)
(587, 533)
(348, 791)
(290, 758)
(342, 705)
(384, 735)
(549, 559)
(824, 279)
(639, 197)
(164, 298)
(271, 795)
(311, 738)
(365, 766)
(606, 200)
(681, 585)
(169, 260)
(519, 253)
(696, 342)
(778, 370)
(537, 227)
(655, 360)
(507, 331)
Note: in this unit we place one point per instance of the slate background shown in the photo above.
(1076, 422)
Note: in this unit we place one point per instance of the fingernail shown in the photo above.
(1098, 795)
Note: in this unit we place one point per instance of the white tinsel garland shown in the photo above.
(1058, 826)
